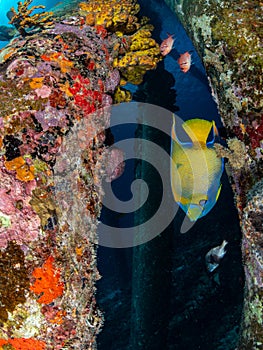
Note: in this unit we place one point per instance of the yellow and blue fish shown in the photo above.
(195, 167)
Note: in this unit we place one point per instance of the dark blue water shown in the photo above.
(204, 309)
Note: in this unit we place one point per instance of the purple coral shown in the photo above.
(43, 92)
(106, 100)
(51, 117)
(112, 81)
(80, 33)
(44, 68)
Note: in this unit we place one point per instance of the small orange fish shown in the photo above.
(167, 44)
(184, 61)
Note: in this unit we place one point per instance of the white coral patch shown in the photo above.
(32, 317)
(202, 23)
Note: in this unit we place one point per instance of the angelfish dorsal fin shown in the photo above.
(198, 129)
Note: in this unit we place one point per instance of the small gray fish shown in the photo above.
(7, 33)
(214, 256)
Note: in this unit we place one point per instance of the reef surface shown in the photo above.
(228, 37)
(58, 78)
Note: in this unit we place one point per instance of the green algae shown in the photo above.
(40, 166)
(240, 27)
(43, 205)
(7, 347)
(4, 220)
(252, 336)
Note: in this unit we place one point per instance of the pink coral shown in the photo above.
(20, 68)
(114, 165)
(24, 224)
(43, 92)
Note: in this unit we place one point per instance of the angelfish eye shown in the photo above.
(202, 202)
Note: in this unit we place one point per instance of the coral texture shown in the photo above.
(47, 282)
(22, 344)
(115, 15)
(57, 85)
(138, 51)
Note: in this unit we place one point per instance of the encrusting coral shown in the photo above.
(22, 344)
(55, 84)
(138, 52)
(236, 153)
(114, 15)
(24, 171)
(47, 282)
(143, 53)
(22, 18)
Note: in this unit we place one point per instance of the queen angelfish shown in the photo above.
(195, 167)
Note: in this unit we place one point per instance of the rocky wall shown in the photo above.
(228, 37)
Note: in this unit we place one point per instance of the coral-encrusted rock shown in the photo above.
(252, 248)
(228, 37)
(57, 83)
